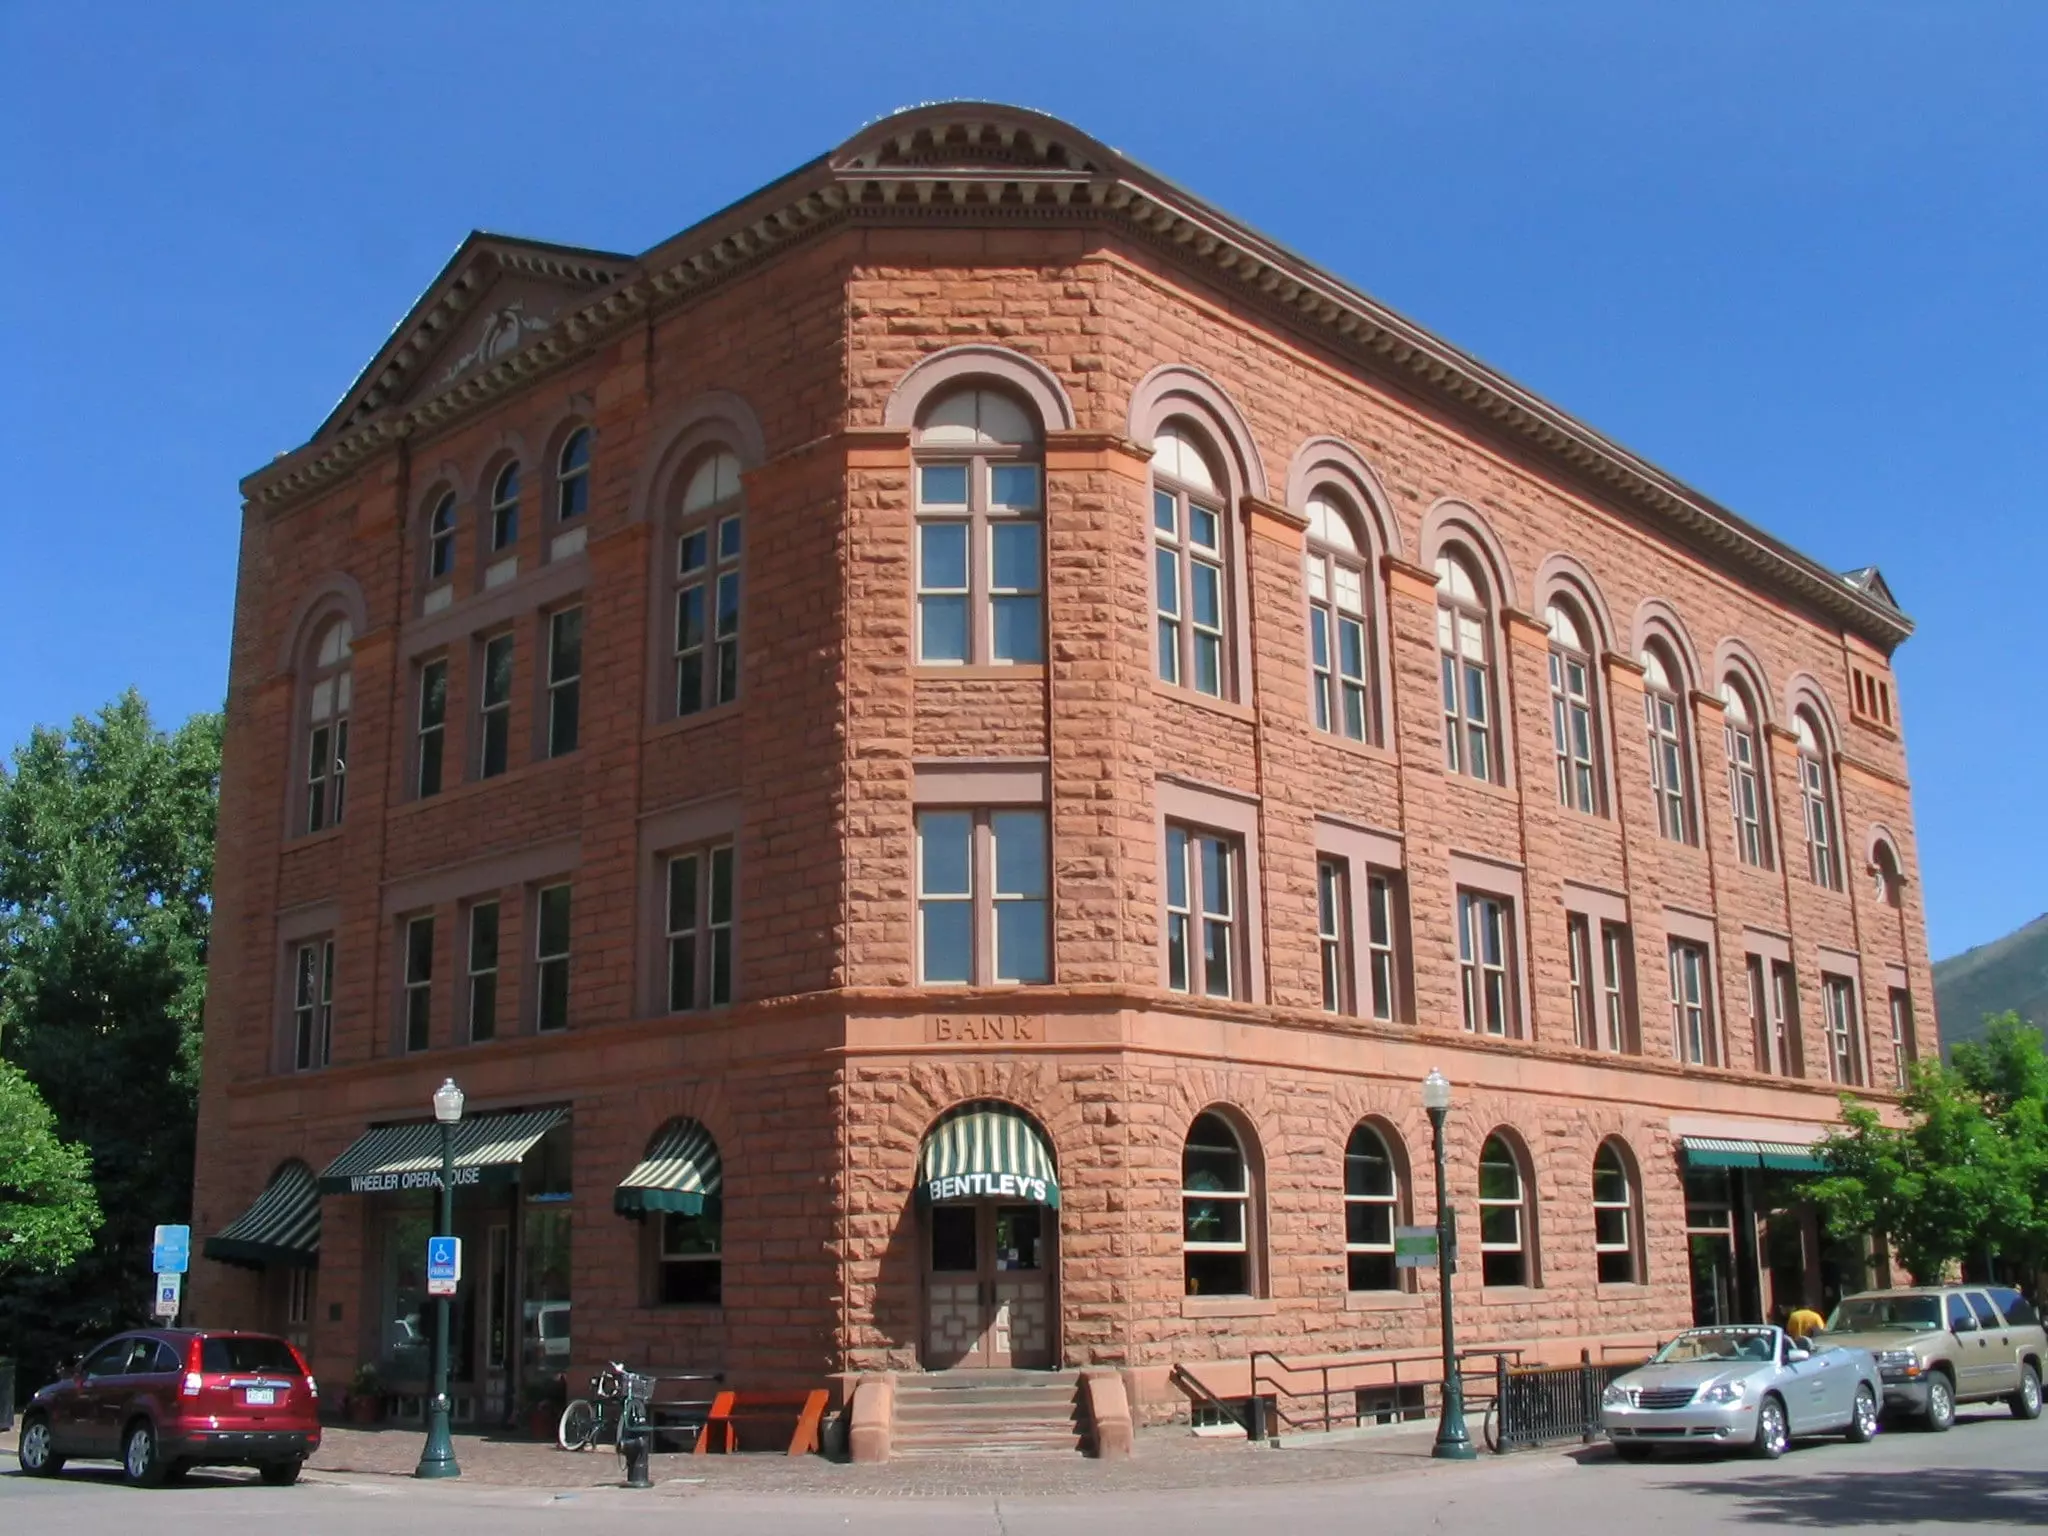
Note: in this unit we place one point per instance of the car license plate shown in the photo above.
(260, 1397)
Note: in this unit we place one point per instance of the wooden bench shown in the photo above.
(731, 1410)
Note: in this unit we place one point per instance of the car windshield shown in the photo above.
(1877, 1314)
(247, 1353)
(1718, 1344)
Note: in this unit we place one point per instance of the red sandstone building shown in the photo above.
(940, 754)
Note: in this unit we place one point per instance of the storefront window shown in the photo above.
(1710, 1241)
(544, 1346)
(405, 1343)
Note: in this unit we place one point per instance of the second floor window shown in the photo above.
(1465, 659)
(313, 1004)
(1190, 566)
(483, 971)
(441, 539)
(419, 983)
(1600, 966)
(505, 509)
(983, 915)
(1692, 1004)
(1773, 1015)
(565, 679)
(1333, 927)
(572, 477)
(1486, 963)
(328, 699)
(433, 726)
(700, 913)
(495, 708)
(1202, 929)
(1339, 633)
(1845, 1035)
(707, 586)
(980, 533)
(1816, 796)
(1571, 712)
(1745, 777)
(551, 958)
(1664, 713)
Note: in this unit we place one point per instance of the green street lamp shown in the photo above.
(1452, 1441)
(437, 1458)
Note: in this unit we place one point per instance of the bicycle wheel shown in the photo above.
(579, 1426)
(1490, 1430)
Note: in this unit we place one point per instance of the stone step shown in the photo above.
(987, 1414)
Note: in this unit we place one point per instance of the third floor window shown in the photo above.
(707, 586)
(1190, 567)
(980, 533)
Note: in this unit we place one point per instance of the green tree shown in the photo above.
(106, 872)
(1966, 1177)
(48, 1212)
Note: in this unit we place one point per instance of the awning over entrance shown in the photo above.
(1725, 1152)
(282, 1227)
(488, 1149)
(987, 1149)
(679, 1174)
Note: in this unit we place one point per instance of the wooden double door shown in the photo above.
(989, 1273)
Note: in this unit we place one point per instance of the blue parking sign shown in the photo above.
(172, 1250)
(444, 1265)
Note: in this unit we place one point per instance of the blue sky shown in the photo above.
(1792, 253)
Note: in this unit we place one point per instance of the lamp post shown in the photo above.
(437, 1458)
(1452, 1442)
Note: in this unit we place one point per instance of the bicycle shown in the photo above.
(616, 1394)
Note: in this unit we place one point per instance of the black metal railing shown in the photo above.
(1295, 1397)
(1544, 1404)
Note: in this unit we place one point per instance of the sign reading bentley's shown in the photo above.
(967, 1186)
(987, 1150)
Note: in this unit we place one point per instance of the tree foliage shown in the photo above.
(48, 1212)
(1966, 1177)
(106, 874)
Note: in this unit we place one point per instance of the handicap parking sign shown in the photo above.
(444, 1265)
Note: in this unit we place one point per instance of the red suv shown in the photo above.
(165, 1400)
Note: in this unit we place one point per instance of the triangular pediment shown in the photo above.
(495, 296)
(1870, 579)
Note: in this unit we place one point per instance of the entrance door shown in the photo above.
(988, 1287)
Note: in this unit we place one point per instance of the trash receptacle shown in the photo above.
(6, 1393)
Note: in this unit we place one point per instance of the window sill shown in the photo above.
(1228, 1306)
(1617, 1291)
(1384, 1301)
(1509, 1295)
(1506, 792)
(990, 672)
(1371, 751)
(1225, 707)
(1589, 819)
(682, 725)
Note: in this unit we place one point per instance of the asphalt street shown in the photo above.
(1990, 1472)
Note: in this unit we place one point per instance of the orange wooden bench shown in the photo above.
(730, 1410)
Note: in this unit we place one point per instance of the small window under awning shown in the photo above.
(488, 1150)
(987, 1149)
(1727, 1152)
(680, 1172)
(281, 1228)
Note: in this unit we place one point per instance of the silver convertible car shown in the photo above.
(1749, 1386)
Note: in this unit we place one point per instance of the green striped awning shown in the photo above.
(987, 1149)
(282, 1227)
(487, 1151)
(679, 1173)
(1725, 1152)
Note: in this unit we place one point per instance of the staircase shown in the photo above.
(987, 1413)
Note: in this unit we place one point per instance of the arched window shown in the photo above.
(980, 522)
(707, 584)
(572, 477)
(1817, 796)
(1745, 775)
(1615, 1223)
(1664, 712)
(441, 539)
(1571, 710)
(1339, 620)
(1887, 879)
(1372, 1209)
(1191, 564)
(328, 696)
(1504, 1216)
(1216, 1210)
(1464, 629)
(505, 508)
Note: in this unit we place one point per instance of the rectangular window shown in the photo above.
(707, 635)
(1667, 764)
(1333, 923)
(313, 1004)
(982, 897)
(551, 957)
(1571, 724)
(496, 707)
(690, 1263)
(1189, 591)
(419, 983)
(1784, 1019)
(1382, 917)
(483, 971)
(1692, 1017)
(1745, 795)
(1617, 987)
(980, 587)
(433, 726)
(1767, 1056)
(1578, 943)
(565, 679)
(1202, 931)
(700, 908)
(1845, 1044)
(1486, 962)
(942, 591)
(726, 634)
(1338, 646)
(1905, 1048)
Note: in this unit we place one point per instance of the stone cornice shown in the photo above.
(974, 163)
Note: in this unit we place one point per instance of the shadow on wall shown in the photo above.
(1895, 1501)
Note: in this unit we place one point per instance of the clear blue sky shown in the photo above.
(1793, 253)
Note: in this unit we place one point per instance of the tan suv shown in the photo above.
(1940, 1345)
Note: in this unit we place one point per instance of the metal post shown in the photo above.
(1453, 1443)
(437, 1459)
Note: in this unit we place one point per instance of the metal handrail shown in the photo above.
(1286, 1373)
(1187, 1381)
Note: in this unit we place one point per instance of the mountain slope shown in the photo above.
(2011, 972)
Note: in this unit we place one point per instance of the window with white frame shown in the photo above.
(1216, 1210)
(482, 967)
(1464, 629)
(1571, 711)
(329, 695)
(1191, 564)
(441, 539)
(1773, 1014)
(1372, 1209)
(1600, 961)
(565, 679)
(1339, 620)
(1384, 926)
(700, 928)
(980, 533)
(494, 708)
(707, 585)
(572, 477)
(430, 742)
(1664, 714)
(551, 957)
(1615, 1221)
(1578, 946)
(691, 1260)
(1204, 934)
(505, 509)
(1486, 962)
(1333, 932)
(419, 983)
(1692, 1004)
(1905, 1045)
(982, 889)
(1816, 794)
(1504, 1215)
(312, 1004)
(1745, 776)
(1845, 1034)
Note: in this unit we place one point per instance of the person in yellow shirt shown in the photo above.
(1804, 1323)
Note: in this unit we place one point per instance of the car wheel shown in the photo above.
(1863, 1418)
(2026, 1403)
(1941, 1403)
(1772, 1434)
(140, 1463)
(35, 1452)
(1629, 1451)
(280, 1474)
